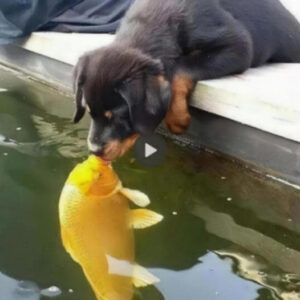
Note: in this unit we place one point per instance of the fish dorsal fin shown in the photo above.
(142, 277)
(143, 218)
(137, 197)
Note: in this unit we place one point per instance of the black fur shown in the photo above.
(157, 37)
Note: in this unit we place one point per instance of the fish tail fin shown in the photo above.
(143, 218)
(142, 277)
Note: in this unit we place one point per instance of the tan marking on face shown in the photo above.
(161, 79)
(108, 114)
(115, 148)
(195, 52)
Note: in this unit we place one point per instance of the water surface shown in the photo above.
(228, 233)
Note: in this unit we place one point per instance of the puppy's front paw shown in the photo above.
(177, 123)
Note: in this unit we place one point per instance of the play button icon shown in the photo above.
(150, 150)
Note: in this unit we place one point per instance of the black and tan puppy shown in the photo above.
(161, 50)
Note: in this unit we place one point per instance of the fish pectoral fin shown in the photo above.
(142, 277)
(143, 218)
(137, 197)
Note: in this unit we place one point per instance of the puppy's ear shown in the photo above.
(148, 99)
(158, 98)
(78, 82)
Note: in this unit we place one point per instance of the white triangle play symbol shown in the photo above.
(149, 150)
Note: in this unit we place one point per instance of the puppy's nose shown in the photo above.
(96, 149)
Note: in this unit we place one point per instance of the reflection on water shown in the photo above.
(213, 274)
(248, 266)
(211, 248)
(12, 289)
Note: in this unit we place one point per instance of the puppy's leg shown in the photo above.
(178, 117)
(200, 66)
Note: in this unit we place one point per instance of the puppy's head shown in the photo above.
(126, 95)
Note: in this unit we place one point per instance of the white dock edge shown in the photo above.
(267, 98)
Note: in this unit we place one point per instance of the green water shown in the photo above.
(228, 233)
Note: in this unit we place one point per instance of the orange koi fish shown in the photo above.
(97, 229)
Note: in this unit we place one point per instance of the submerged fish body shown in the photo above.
(96, 228)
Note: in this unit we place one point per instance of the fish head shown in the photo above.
(94, 176)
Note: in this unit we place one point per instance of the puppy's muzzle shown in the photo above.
(95, 138)
(97, 149)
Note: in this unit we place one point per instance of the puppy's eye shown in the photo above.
(108, 114)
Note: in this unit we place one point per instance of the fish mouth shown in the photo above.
(104, 155)
(104, 159)
(108, 161)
